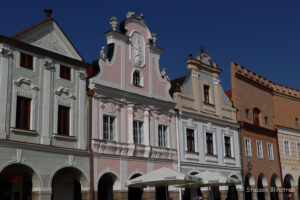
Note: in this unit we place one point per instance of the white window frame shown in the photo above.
(165, 133)
(213, 132)
(270, 151)
(34, 61)
(260, 151)
(231, 145)
(140, 131)
(298, 149)
(141, 77)
(287, 154)
(246, 150)
(186, 145)
(23, 88)
(109, 132)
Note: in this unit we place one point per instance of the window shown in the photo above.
(23, 113)
(206, 93)
(190, 140)
(227, 146)
(298, 149)
(287, 148)
(260, 154)
(256, 114)
(266, 120)
(297, 121)
(138, 132)
(209, 143)
(136, 78)
(26, 61)
(65, 72)
(63, 120)
(247, 113)
(108, 128)
(248, 147)
(270, 151)
(162, 136)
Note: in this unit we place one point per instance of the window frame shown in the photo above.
(230, 146)
(206, 95)
(298, 149)
(289, 148)
(212, 143)
(20, 113)
(272, 150)
(164, 132)
(28, 62)
(248, 154)
(111, 128)
(139, 131)
(190, 140)
(64, 72)
(259, 146)
(60, 120)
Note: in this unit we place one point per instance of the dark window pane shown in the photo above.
(23, 113)
(63, 120)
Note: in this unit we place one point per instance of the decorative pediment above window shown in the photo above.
(164, 119)
(23, 87)
(109, 108)
(65, 96)
(139, 114)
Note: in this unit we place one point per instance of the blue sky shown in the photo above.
(263, 36)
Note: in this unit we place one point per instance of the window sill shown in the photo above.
(192, 152)
(139, 86)
(64, 137)
(24, 131)
(209, 104)
(211, 158)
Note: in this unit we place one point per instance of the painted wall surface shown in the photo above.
(40, 148)
(149, 103)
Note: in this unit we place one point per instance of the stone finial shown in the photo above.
(113, 23)
(48, 12)
(202, 49)
(140, 17)
(214, 64)
(102, 53)
(130, 14)
(163, 74)
(154, 39)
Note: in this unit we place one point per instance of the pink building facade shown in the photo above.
(133, 124)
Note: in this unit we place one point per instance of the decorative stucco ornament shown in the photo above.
(163, 74)
(140, 17)
(113, 23)
(137, 50)
(102, 53)
(154, 39)
(130, 14)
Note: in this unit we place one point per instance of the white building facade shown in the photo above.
(208, 130)
(43, 116)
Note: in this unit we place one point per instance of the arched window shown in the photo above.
(256, 116)
(136, 78)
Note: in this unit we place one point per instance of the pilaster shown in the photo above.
(81, 111)
(5, 54)
(48, 68)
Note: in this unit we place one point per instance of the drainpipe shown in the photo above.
(90, 95)
(178, 146)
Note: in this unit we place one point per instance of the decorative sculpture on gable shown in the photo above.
(137, 50)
